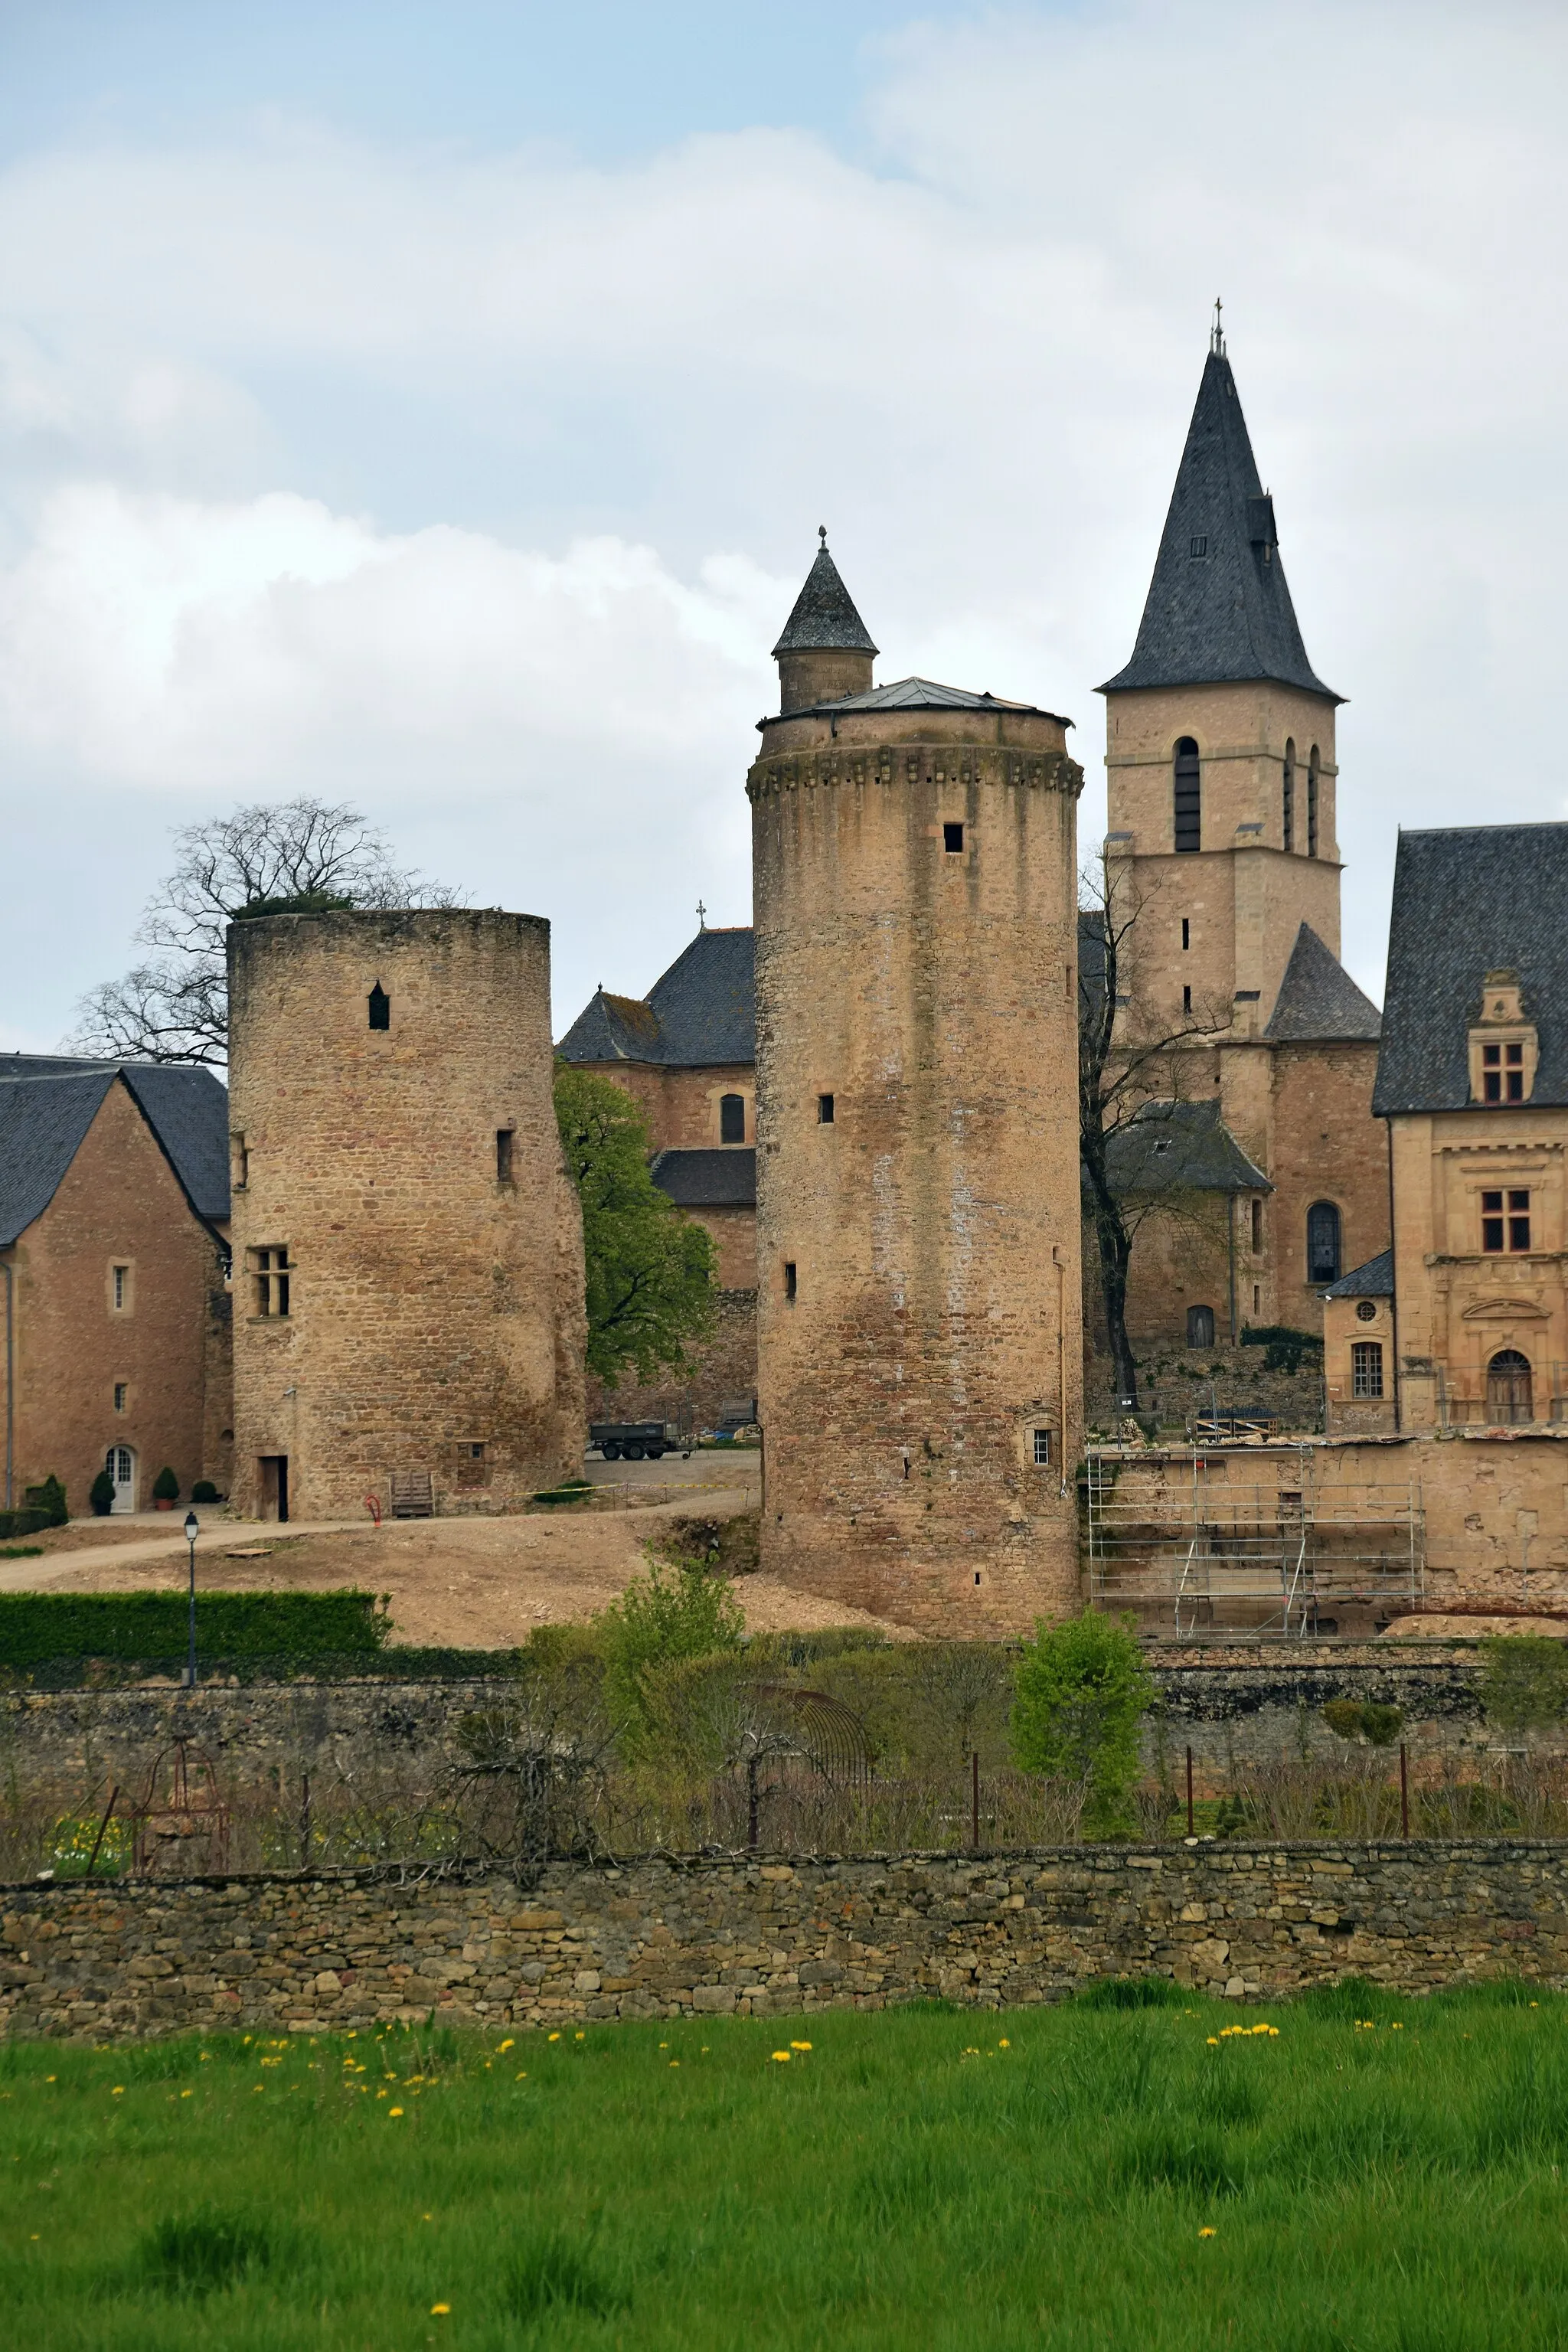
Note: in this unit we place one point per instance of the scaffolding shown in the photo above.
(1251, 1540)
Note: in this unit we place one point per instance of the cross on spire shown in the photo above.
(1216, 332)
(701, 916)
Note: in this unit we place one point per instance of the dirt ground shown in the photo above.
(461, 1583)
(1434, 1625)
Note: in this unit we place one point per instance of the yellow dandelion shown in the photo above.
(426, 2217)
(504, 2046)
(581, 2037)
(440, 2310)
(51, 2078)
(555, 2037)
(800, 2045)
(395, 2111)
(206, 2056)
(523, 2076)
(1214, 2042)
(781, 2057)
(118, 2092)
(1004, 2043)
(1396, 2027)
(1274, 2032)
(187, 2095)
(1205, 2232)
(674, 2062)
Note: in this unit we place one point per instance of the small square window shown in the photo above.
(952, 836)
(1198, 544)
(825, 1111)
(476, 1453)
(1041, 1449)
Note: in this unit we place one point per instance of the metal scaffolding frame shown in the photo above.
(1188, 1543)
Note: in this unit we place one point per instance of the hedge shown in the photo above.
(148, 1627)
(25, 1523)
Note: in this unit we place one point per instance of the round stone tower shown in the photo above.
(920, 1375)
(408, 1316)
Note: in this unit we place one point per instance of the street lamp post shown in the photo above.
(193, 1530)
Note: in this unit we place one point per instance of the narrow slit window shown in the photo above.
(121, 1288)
(789, 1281)
(1289, 809)
(122, 1391)
(503, 1155)
(380, 1007)
(825, 1111)
(1312, 801)
(952, 837)
(1187, 933)
(1187, 795)
(1256, 1227)
(1513, 1073)
(731, 1118)
(1491, 1074)
(1186, 1000)
(1519, 1221)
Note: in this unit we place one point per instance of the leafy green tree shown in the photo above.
(1082, 1693)
(649, 1269)
(667, 1616)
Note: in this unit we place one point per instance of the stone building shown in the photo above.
(918, 1231)
(408, 1252)
(114, 1311)
(1222, 860)
(1472, 1080)
(687, 1052)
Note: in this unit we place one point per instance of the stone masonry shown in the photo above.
(710, 1938)
(919, 1284)
(393, 1133)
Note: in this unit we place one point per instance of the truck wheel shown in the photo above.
(633, 1453)
(611, 1453)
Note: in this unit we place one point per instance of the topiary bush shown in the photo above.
(100, 1494)
(204, 1491)
(166, 1487)
(50, 1498)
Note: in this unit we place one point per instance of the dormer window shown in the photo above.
(1503, 1044)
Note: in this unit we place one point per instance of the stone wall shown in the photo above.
(725, 1368)
(657, 1938)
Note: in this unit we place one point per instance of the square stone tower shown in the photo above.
(407, 1244)
(919, 1304)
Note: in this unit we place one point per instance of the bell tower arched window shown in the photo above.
(1289, 811)
(1187, 797)
(1312, 801)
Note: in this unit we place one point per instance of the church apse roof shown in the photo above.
(1318, 1000)
(925, 694)
(1218, 608)
(1179, 1147)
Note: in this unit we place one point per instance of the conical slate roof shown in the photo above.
(1218, 606)
(825, 619)
(1318, 998)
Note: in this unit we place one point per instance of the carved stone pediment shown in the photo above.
(1505, 1310)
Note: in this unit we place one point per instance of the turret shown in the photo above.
(825, 651)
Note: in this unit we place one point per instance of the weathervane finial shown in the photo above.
(822, 533)
(1216, 332)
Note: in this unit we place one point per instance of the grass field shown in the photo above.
(1374, 2174)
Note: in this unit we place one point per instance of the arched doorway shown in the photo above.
(120, 1464)
(1200, 1326)
(1508, 1387)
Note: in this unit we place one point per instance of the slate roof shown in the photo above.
(1318, 999)
(1180, 1147)
(923, 693)
(702, 1012)
(1225, 613)
(707, 1180)
(47, 1103)
(1373, 1280)
(1468, 901)
(824, 618)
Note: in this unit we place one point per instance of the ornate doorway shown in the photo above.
(1508, 1387)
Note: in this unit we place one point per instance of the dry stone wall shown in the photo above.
(658, 1937)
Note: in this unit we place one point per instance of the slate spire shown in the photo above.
(1218, 608)
(825, 619)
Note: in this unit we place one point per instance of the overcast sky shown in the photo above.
(433, 404)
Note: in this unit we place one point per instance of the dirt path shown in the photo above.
(463, 1583)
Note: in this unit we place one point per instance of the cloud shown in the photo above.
(478, 485)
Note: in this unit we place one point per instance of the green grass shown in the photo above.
(925, 2178)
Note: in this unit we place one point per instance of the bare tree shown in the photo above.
(300, 856)
(1132, 1056)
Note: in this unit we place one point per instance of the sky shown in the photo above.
(432, 406)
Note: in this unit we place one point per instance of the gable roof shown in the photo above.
(47, 1103)
(700, 1014)
(1373, 1280)
(1318, 1000)
(1180, 1147)
(1468, 901)
(708, 1179)
(1225, 612)
(824, 618)
(923, 693)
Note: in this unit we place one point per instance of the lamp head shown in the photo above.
(192, 1527)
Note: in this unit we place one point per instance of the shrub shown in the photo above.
(204, 1491)
(658, 1620)
(1524, 1681)
(49, 1497)
(37, 1627)
(1284, 1345)
(1351, 1718)
(25, 1523)
(100, 1494)
(166, 1487)
(1081, 1694)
